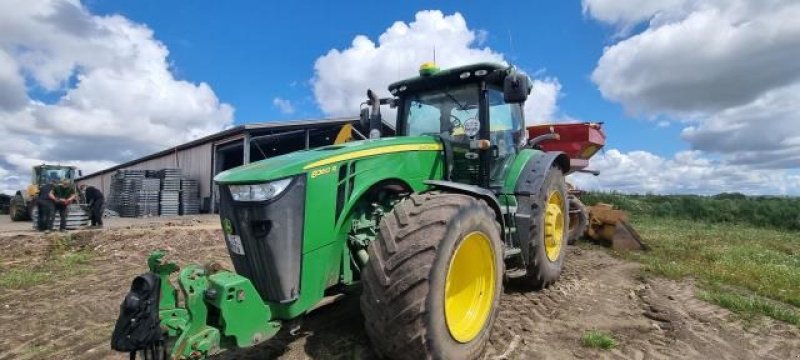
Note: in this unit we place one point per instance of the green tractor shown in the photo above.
(429, 222)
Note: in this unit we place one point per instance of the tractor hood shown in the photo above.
(317, 159)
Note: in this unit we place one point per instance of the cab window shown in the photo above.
(505, 125)
(441, 111)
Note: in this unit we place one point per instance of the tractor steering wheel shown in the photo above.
(455, 121)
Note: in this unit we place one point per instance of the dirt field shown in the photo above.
(69, 313)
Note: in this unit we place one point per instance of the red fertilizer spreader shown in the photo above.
(580, 141)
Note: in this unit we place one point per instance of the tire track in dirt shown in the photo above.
(714, 330)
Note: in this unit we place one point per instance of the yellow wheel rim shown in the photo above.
(554, 226)
(470, 286)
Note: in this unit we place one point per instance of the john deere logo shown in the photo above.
(227, 227)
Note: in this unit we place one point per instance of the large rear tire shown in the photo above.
(17, 209)
(434, 278)
(549, 226)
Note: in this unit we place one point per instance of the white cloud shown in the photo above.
(284, 105)
(118, 97)
(542, 104)
(764, 133)
(626, 13)
(686, 172)
(710, 59)
(342, 77)
(728, 70)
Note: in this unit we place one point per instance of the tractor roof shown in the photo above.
(450, 77)
(46, 166)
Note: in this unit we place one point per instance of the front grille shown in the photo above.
(271, 238)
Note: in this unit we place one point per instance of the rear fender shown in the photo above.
(535, 171)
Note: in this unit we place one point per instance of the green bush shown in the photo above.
(732, 208)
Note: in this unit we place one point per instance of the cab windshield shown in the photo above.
(454, 112)
(49, 175)
(440, 111)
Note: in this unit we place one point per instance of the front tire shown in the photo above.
(434, 278)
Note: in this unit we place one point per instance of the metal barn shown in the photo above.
(204, 158)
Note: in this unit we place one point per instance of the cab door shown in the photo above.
(506, 135)
(453, 115)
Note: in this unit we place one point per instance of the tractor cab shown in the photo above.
(475, 110)
(44, 174)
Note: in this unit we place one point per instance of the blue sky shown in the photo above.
(254, 52)
(697, 96)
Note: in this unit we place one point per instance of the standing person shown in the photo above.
(65, 195)
(46, 204)
(95, 199)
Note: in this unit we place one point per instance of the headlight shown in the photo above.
(259, 192)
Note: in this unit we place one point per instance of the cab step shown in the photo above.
(511, 252)
(515, 273)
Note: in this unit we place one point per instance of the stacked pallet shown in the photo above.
(170, 179)
(169, 203)
(147, 199)
(190, 197)
(170, 191)
(136, 193)
(125, 185)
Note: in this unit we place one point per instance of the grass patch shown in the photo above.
(38, 351)
(746, 269)
(765, 262)
(750, 306)
(22, 278)
(57, 266)
(598, 340)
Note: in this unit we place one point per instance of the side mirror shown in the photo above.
(80, 173)
(516, 87)
(363, 119)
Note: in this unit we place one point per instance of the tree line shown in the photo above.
(735, 208)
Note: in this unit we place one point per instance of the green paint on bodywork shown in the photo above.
(197, 338)
(294, 163)
(244, 320)
(325, 237)
(227, 226)
(244, 317)
(169, 296)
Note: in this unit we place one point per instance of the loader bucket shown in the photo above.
(610, 227)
